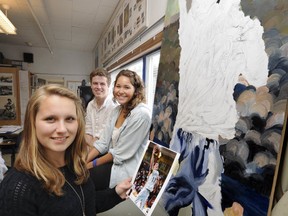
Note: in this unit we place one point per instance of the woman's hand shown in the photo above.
(123, 187)
(89, 165)
(93, 153)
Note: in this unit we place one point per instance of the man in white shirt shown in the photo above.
(98, 109)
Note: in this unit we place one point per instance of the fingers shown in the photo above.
(128, 183)
(89, 165)
(122, 189)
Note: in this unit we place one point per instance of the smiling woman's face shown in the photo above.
(56, 125)
(123, 90)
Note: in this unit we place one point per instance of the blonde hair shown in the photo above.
(31, 157)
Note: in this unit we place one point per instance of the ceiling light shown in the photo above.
(5, 25)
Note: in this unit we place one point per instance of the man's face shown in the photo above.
(99, 86)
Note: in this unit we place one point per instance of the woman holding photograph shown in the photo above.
(49, 176)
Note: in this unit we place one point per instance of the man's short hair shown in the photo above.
(101, 72)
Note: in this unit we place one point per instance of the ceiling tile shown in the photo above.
(81, 6)
(80, 19)
(65, 24)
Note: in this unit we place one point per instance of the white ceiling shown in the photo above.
(58, 24)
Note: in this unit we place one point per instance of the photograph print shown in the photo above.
(153, 173)
(9, 97)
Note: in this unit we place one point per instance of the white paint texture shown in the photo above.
(211, 189)
(218, 44)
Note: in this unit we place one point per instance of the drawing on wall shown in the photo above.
(230, 78)
(6, 90)
(129, 21)
(73, 85)
(126, 15)
(8, 110)
(9, 97)
(120, 24)
(41, 81)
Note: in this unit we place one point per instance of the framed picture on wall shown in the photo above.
(10, 113)
(73, 85)
(130, 21)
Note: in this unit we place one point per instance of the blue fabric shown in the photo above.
(182, 189)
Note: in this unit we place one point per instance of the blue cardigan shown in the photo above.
(133, 137)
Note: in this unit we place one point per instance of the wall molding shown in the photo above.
(147, 46)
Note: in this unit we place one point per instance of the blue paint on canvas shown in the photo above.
(253, 203)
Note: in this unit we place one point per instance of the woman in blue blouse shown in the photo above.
(124, 139)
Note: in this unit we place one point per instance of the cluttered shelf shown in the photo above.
(10, 129)
(9, 140)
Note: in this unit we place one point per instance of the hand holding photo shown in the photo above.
(153, 173)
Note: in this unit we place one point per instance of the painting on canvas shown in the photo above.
(229, 71)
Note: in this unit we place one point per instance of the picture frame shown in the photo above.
(73, 85)
(10, 113)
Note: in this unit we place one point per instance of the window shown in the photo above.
(152, 64)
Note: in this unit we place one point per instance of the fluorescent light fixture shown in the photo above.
(5, 25)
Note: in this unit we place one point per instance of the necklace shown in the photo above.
(82, 202)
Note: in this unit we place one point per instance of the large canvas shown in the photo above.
(229, 71)
(166, 92)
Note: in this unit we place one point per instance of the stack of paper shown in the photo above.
(9, 128)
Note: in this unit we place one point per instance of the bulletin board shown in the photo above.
(129, 22)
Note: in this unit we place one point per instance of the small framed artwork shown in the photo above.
(152, 176)
(10, 113)
(73, 85)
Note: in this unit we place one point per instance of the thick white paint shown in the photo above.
(218, 43)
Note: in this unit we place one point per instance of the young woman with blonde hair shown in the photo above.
(49, 176)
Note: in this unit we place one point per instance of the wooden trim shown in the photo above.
(280, 158)
(141, 50)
